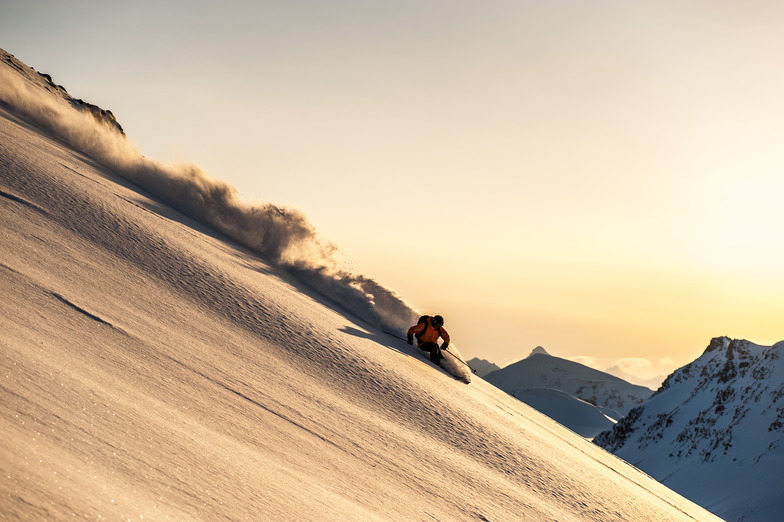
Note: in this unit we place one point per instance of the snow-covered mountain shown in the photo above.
(611, 396)
(714, 431)
(156, 368)
(482, 366)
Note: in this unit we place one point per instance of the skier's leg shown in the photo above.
(435, 353)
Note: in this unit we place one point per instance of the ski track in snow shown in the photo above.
(151, 367)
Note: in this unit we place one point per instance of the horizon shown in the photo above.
(604, 180)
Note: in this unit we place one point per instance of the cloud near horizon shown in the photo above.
(641, 367)
(642, 371)
(637, 370)
(591, 362)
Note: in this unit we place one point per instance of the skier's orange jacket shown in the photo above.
(427, 333)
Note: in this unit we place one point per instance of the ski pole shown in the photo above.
(445, 350)
(395, 336)
(458, 359)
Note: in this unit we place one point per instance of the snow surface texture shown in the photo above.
(714, 431)
(153, 368)
(581, 398)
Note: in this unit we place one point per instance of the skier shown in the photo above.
(428, 330)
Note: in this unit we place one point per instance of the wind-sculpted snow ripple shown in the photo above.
(282, 236)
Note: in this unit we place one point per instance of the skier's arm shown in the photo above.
(445, 337)
(416, 329)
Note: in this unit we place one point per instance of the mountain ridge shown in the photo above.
(720, 415)
(542, 370)
(585, 400)
(482, 366)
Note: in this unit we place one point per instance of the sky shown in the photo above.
(603, 179)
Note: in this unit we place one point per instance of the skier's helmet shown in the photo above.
(438, 320)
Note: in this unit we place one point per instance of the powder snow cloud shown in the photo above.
(281, 235)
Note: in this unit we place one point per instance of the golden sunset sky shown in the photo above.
(601, 178)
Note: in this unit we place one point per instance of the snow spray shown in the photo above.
(282, 236)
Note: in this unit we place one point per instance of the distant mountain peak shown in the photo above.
(539, 350)
(482, 367)
(542, 370)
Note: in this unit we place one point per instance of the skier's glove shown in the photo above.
(445, 346)
(410, 339)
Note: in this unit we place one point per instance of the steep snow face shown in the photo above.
(541, 370)
(714, 431)
(153, 368)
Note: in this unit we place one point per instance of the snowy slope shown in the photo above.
(154, 368)
(714, 431)
(611, 395)
(284, 237)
